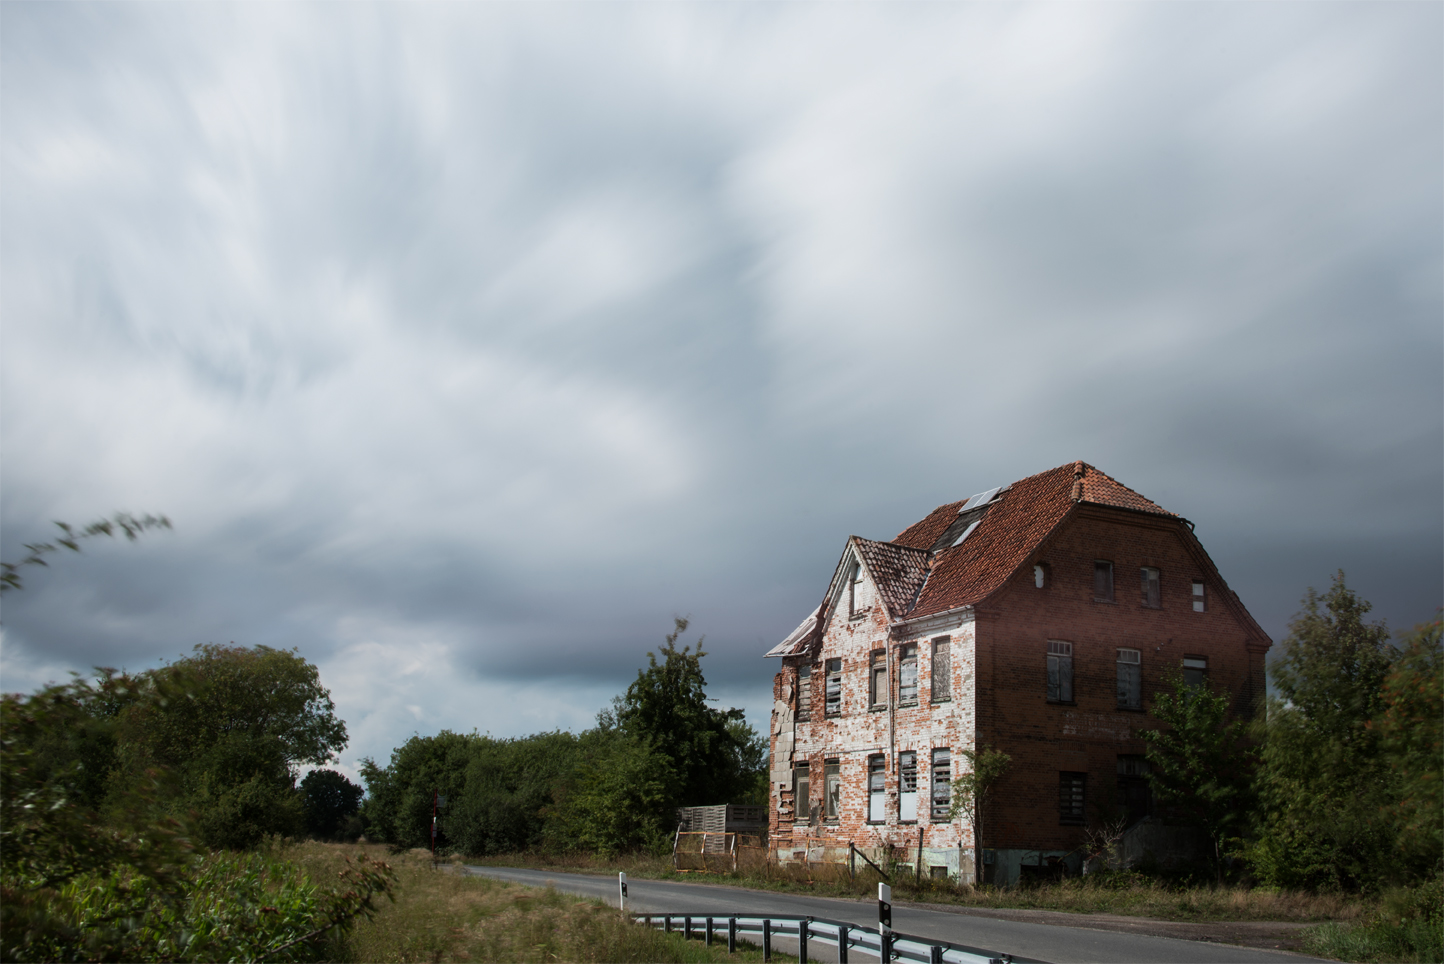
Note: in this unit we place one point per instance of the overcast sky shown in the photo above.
(466, 345)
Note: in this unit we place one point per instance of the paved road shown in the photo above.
(1040, 942)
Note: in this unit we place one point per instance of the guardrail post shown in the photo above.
(885, 939)
(842, 945)
(731, 935)
(802, 928)
(668, 926)
(767, 940)
(686, 928)
(937, 955)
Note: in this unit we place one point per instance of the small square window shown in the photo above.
(1102, 581)
(1060, 671)
(1198, 597)
(1152, 595)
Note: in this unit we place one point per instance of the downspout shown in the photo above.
(891, 720)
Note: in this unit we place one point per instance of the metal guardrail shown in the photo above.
(877, 942)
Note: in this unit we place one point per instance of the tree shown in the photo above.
(1324, 786)
(1200, 764)
(329, 798)
(667, 708)
(973, 791)
(1409, 730)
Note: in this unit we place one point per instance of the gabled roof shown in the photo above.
(1012, 528)
(897, 571)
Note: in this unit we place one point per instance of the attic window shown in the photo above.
(1198, 597)
(1041, 576)
(856, 592)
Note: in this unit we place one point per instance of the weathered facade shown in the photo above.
(1039, 618)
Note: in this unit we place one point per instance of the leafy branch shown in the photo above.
(123, 522)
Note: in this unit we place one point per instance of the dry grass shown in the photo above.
(1127, 894)
(442, 915)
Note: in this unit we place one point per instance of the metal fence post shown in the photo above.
(731, 935)
(842, 945)
(767, 940)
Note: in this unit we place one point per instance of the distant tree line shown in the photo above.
(614, 787)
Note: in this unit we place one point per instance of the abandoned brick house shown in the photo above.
(1039, 618)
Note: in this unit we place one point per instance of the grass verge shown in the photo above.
(442, 915)
(1124, 893)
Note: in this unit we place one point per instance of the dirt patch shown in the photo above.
(1268, 935)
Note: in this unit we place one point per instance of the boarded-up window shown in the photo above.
(907, 770)
(801, 793)
(1071, 788)
(804, 692)
(1130, 680)
(1103, 581)
(876, 790)
(834, 688)
(832, 788)
(942, 669)
(907, 676)
(877, 685)
(1060, 671)
(942, 783)
(1152, 595)
(1198, 597)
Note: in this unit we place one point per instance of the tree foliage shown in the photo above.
(1200, 764)
(973, 791)
(1411, 737)
(70, 538)
(328, 800)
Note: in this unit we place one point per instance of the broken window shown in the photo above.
(1130, 679)
(804, 692)
(876, 790)
(1102, 581)
(1060, 671)
(833, 706)
(907, 801)
(1134, 793)
(856, 592)
(1195, 671)
(1071, 788)
(942, 669)
(832, 788)
(1198, 599)
(801, 794)
(877, 687)
(907, 677)
(1152, 596)
(942, 783)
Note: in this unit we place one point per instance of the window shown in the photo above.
(1040, 575)
(801, 795)
(1130, 680)
(804, 693)
(833, 706)
(1152, 598)
(1133, 790)
(1195, 671)
(876, 790)
(907, 800)
(942, 670)
(877, 686)
(942, 783)
(856, 592)
(1102, 581)
(1060, 672)
(1198, 600)
(1071, 788)
(831, 788)
(907, 676)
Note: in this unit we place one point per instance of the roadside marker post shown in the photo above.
(622, 887)
(884, 922)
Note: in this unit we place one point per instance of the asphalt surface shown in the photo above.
(1040, 942)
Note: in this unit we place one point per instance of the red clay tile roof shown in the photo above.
(1012, 528)
(898, 571)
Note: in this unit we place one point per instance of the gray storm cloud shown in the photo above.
(465, 345)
